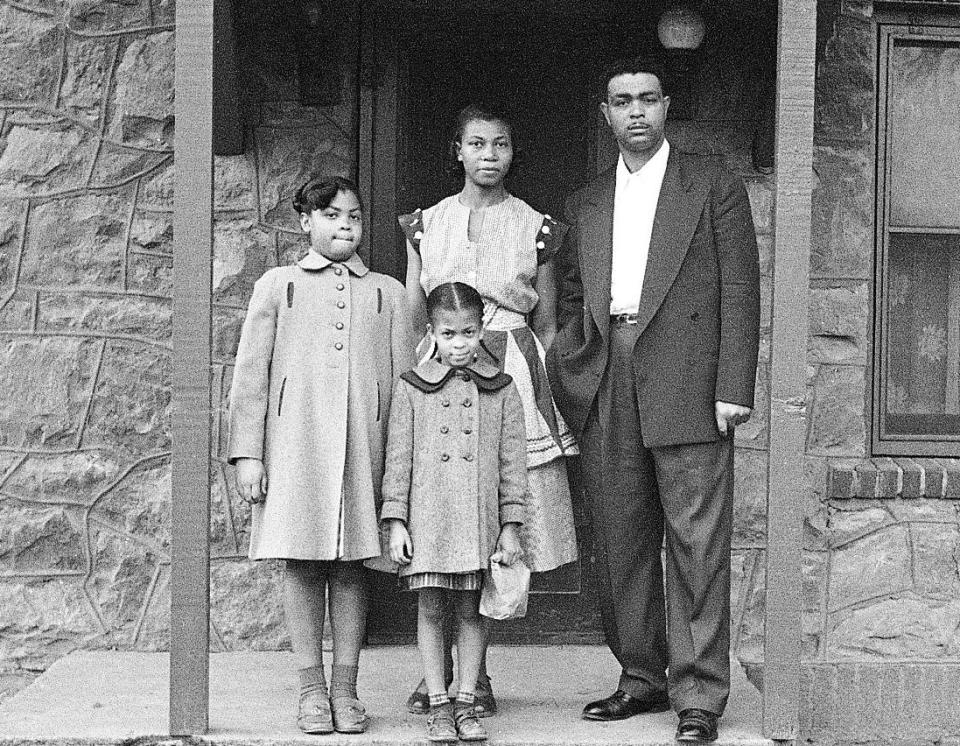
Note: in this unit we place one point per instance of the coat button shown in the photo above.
(339, 286)
(468, 457)
(339, 325)
(337, 271)
(444, 402)
(467, 431)
(467, 403)
(341, 304)
(444, 429)
(339, 345)
(444, 456)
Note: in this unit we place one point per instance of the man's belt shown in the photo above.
(624, 318)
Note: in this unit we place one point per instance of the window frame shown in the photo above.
(891, 28)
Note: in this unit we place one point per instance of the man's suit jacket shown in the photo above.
(699, 309)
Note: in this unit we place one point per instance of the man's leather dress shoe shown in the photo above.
(621, 705)
(697, 726)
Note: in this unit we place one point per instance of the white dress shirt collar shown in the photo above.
(657, 165)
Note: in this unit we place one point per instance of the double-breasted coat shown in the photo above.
(322, 345)
(642, 395)
(699, 314)
(456, 467)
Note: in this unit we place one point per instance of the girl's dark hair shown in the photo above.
(318, 193)
(454, 296)
(632, 66)
(472, 113)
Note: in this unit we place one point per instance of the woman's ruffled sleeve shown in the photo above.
(412, 225)
(549, 239)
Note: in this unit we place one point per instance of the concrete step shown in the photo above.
(114, 699)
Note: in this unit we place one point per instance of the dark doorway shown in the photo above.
(538, 63)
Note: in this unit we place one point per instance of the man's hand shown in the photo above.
(251, 480)
(729, 416)
(401, 545)
(508, 545)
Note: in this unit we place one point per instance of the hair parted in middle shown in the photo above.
(454, 296)
(473, 113)
(632, 66)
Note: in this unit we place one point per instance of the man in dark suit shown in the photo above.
(653, 366)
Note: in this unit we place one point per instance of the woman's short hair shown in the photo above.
(319, 192)
(473, 113)
(454, 296)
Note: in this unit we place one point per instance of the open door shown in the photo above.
(539, 63)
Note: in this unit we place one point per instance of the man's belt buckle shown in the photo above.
(626, 318)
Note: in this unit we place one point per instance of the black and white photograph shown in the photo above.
(519, 372)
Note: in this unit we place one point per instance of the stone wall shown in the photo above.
(881, 577)
(86, 179)
(884, 570)
(86, 200)
(86, 147)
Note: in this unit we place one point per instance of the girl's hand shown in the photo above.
(401, 545)
(251, 480)
(508, 545)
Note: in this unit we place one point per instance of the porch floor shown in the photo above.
(110, 698)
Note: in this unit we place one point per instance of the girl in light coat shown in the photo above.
(321, 347)
(454, 490)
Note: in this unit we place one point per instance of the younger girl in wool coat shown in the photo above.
(321, 347)
(453, 493)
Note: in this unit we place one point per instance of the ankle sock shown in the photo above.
(438, 700)
(465, 699)
(312, 679)
(343, 681)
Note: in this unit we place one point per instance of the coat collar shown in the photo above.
(314, 260)
(431, 375)
(600, 191)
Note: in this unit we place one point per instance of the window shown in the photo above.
(916, 399)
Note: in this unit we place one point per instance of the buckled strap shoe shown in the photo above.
(313, 713)
(441, 727)
(620, 705)
(349, 715)
(697, 726)
(468, 725)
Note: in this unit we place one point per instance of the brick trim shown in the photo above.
(894, 477)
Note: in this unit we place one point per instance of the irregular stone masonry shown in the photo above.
(86, 199)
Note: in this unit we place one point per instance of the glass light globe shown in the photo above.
(681, 27)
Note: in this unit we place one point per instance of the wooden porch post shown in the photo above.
(193, 242)
(796, 50)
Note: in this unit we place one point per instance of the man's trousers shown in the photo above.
(680, 496)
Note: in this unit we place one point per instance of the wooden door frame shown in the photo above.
(787, 423)
(190, 377)
(377, 123)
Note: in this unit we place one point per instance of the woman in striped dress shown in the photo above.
(487, 238)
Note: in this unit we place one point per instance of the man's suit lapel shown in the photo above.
(678, 212)
(597, 232)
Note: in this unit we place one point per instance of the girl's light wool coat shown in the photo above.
(321, 347)
(456, 465)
